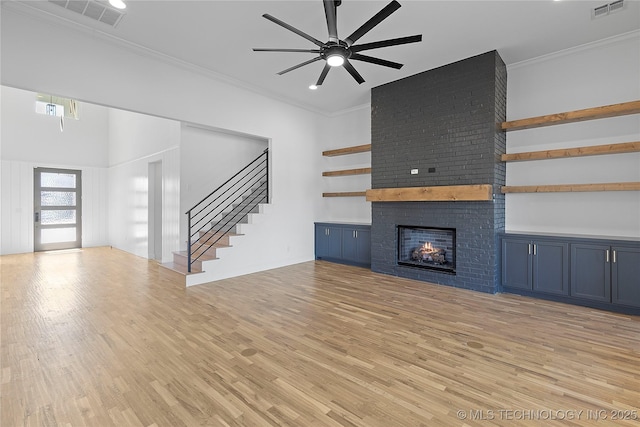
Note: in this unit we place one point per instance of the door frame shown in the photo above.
(154, 212)
(38, 208)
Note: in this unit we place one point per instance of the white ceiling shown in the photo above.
(218, 36)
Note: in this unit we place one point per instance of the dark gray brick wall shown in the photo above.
(445, 123)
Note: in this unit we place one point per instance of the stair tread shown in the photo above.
(182, 269)
(204, 257)
(203, 244)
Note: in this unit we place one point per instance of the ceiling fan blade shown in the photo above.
(386, 43)
(375, 20)
(323, 74)
(317, 58)
(376, 61)
(259, 49)
(331, 11)
(293, 29)
(347, 65)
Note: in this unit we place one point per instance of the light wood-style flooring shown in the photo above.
(100, 337)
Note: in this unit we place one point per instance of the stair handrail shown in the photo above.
(221, 194)
(258, 174)
(266, 151)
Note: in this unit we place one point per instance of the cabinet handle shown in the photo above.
(529, 246)
(614, 256)
(326, 231)
(607, 255)
(534, 249)
(356, 233)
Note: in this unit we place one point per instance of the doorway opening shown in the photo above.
(155, 211)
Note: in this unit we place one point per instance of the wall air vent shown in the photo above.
(92, 9)
(607, 9)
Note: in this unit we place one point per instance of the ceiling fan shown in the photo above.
(337, 52)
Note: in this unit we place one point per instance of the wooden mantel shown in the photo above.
(444, 193)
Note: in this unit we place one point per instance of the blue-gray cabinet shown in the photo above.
(535, 265)
(606, 273)
(592, 271)
(343, 242)
(356, 245)
(625, 275)
(328, 241)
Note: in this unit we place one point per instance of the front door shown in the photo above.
(57, 212)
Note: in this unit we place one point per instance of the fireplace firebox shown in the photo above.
(427, 247)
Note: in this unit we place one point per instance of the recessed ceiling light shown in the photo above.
(313, 87)
(118, 4)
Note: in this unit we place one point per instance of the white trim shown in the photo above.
(148, 156)
(575, 49)
(350, 110)
(223, 130)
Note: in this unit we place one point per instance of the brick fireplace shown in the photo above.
(444, 123)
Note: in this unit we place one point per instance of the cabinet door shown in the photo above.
(625, 274)
(551, 267)
(322, 241)
(349, 244)
(516, 264)
(591, 272)
(363, 246)
(334, 236)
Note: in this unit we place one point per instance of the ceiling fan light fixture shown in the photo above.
(335, 60)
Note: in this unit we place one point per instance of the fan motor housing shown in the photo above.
(333, 48)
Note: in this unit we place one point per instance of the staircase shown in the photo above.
(214, 221)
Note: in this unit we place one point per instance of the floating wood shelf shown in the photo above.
(569, 188)
(345, 194)
(625, 147)
(347, 150)
(457, 193)
(632, 107)
(360, 171)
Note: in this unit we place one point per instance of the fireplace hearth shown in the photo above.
(427, 247)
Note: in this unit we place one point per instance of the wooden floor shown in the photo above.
(100, 337)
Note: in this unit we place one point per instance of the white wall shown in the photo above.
(135, 141)
(601, 74)
(134, 136)
(151, 86)
(346, 130)
(30, 140)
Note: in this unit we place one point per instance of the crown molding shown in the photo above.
(351, 110)
(570, 51)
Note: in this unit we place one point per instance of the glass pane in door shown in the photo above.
(60, 180)
(58, 198)
(52, 217)
(57, 235)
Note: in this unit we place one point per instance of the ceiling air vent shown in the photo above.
(607, 9)
(93, 10)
